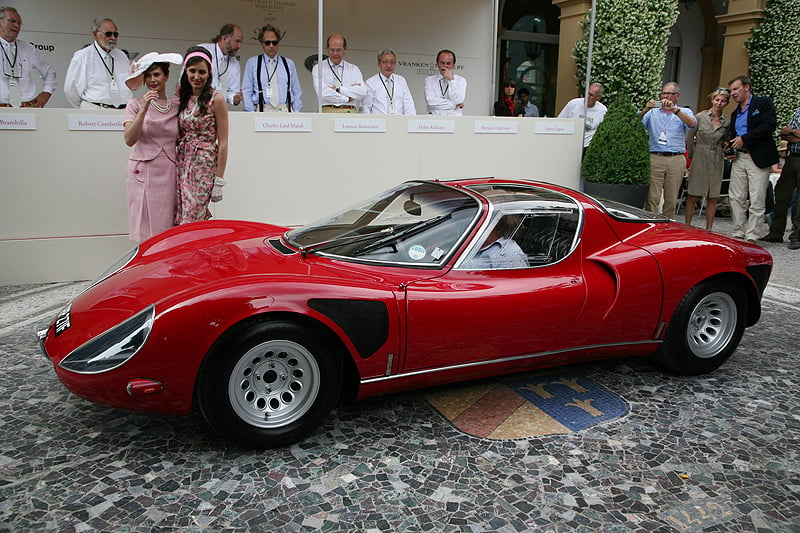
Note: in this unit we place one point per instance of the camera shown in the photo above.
(729, 152)
(657, 104)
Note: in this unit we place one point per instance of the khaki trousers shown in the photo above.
(747, 179)
(666, 175)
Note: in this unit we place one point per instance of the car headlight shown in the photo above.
(111, 349)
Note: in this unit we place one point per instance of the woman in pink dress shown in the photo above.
(151, 128)
(202, 139)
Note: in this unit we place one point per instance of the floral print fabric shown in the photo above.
(197, 163)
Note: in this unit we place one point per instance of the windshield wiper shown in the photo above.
(347, 239)
(407, 232)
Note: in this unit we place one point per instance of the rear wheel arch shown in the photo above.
(707, 325)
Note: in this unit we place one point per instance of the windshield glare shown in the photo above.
(417, 223)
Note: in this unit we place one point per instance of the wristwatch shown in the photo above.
(677, 110)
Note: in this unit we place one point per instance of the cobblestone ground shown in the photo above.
(713, 453)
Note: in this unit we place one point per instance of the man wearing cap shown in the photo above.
(787, 184)
(445, 92)
(19, 60)
(752, 124)
(388, 93)
(95, 73)
(343, 85)
(225, 68)
(270, 80)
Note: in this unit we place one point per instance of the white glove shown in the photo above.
(216, 192)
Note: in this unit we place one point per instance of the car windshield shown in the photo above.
(417, 223)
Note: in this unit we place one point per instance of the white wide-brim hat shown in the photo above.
(140, 66)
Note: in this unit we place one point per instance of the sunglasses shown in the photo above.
(273, 43)
(110, 33)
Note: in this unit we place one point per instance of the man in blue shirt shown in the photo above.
(667, 125)
(270, 80)
(752, 125)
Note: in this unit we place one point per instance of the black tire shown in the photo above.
(269, 384)
(705, 329)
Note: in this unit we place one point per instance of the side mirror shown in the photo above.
(411, 207)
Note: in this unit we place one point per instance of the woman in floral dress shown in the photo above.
(202, 139)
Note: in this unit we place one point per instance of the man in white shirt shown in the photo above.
(271, 76)
(226, 70)
(595, 112)
(19, 60)
(388, 92)
(343, 86)
(445, 92)
(96, 74)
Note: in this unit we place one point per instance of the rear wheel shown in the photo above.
(705, 329)
(269, 384)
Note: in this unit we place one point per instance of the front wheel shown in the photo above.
(269, 384)
(705, 329)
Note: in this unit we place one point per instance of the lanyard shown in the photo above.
(220, 72)
(390, 95)
(103, 61)
(334, 72)
(270, 76)
(446, 87)
(12, 64)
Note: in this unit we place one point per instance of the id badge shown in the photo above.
(268, 93)
(14, 96)
(662, 139)
(114, 86)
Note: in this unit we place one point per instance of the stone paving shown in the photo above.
(713, 453)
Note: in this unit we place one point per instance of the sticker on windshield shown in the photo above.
(416, 252)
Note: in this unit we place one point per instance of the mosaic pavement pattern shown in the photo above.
(712, 453)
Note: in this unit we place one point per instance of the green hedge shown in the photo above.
(619, 152)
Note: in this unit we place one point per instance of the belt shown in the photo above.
(23, 104)
(108, 106)
(339, 106)
(666, 154)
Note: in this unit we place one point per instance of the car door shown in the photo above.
(469, 315)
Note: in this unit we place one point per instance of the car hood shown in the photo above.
(198, 259)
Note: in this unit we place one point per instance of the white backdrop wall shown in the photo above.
(415, 29)
(63, 207)
(63, 210)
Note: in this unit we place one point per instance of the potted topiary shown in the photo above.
(617, 162)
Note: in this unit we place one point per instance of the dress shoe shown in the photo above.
(794, 245)
(769, 237)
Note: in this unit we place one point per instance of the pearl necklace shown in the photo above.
(160, 108)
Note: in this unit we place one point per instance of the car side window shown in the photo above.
(548, 237)
(499, 248)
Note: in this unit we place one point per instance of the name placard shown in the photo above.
(495, 126)
(431, 126)
(552, 127)
(359, 125)
(283, 124)
(95, 123)
(17, 122)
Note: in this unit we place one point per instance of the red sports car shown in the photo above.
(264, 328)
